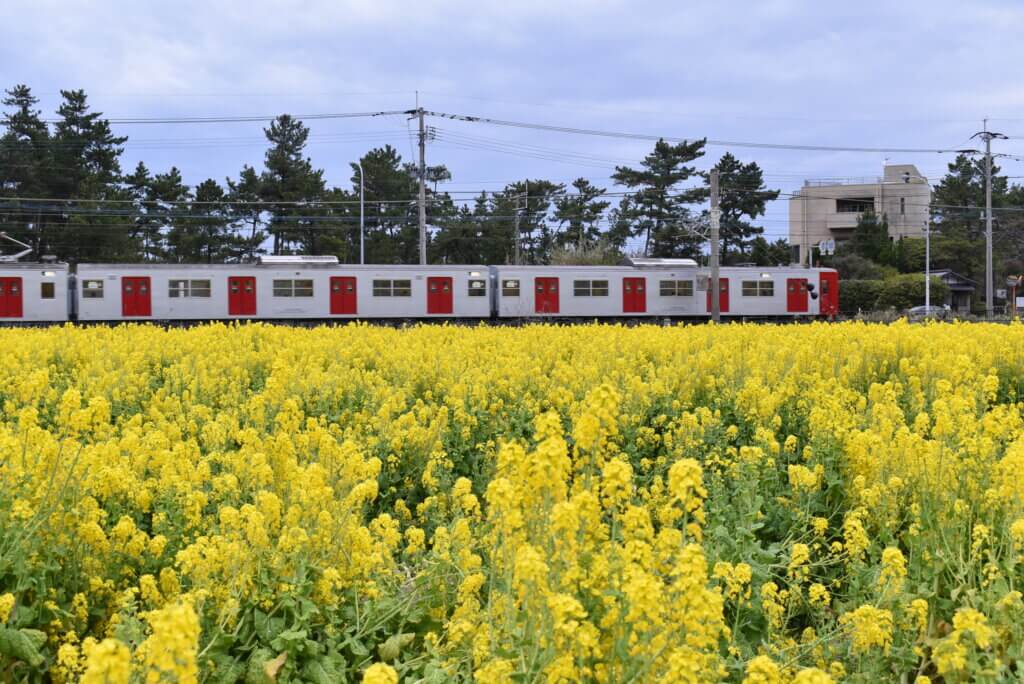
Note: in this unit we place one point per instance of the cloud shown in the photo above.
(913, 73)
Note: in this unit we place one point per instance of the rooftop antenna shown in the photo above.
(11, 258)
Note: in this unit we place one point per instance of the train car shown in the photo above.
(34, 292)
(596, 291)
(280, 288)
(673, 288)
(769, 292)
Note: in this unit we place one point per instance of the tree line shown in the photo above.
(64, 192)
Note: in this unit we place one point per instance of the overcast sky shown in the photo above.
(880, 74)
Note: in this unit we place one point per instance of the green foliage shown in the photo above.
(742, 196)
(857, 296)
(907, 290)
(898, 292)
(852, 266)
(764, 253)
(871, 240)
(659, 210)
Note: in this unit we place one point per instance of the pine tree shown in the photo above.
(660, 205)
(86, 166)
(205, 234)
(25, 166)
(579, 214)
(291, 186)
(247, 213)
(742, 195)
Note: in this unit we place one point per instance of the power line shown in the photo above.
(707, 141)
(240, 119)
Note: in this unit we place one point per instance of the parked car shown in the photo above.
(919, 313)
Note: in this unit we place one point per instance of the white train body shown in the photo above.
(280, 291)
(313, 288)
(671, 290)
(34, 292)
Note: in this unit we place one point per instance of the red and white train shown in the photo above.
(315, 288)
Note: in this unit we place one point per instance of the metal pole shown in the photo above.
(423, 190)
(362, 213)
(716, 213)
(989, 304)
(987, 136)
(927, 270)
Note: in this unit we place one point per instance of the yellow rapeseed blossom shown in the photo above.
(539, 503)
(379, 673)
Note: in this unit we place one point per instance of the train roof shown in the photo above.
(33, 265)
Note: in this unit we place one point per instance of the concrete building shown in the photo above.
(823, 210)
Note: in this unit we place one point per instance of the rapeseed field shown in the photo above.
(746, 503)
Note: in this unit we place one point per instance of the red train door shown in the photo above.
(634, 295)
(796, 295)
(723, 296)
(439, 295)
(241, 296)
(136, 297)
(546, 299)
(343, 295)
(828, 293)
(10, 298)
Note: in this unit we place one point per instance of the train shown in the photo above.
(317, 288)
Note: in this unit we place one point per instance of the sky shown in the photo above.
(907, 74)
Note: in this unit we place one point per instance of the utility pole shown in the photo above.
(927, 270)
(362, 213)
(987, 136)
(422, 200)
(716, 213)
(518, 237)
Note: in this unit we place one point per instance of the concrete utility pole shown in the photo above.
(987, 136)
(518, 237)
(927, 270)
(362, 213)
(422, 200)
(716, 214)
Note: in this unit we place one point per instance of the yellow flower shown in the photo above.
(6, 606)
(762, 670)
(106, 662)
(870, 627)
(379, 673)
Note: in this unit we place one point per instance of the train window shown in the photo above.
(477, 288)
(392, 288)
(510, 288)
(92, 289)
(590, 288)
(47, 291)
(188, 288)
(675, 288)
(293, 288)
(758, 288)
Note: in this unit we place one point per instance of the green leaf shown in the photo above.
(392, 648)
(21, 645)
(255, 673)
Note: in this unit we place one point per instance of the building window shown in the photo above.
(477, 288)
(903, 206)
(590, 288)
(92, 289)
(855, 205)
(676, 288)
(188, 288)
(293, 288)
(758, 288)
(47, 291)
(392, 288)
(510, 288)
